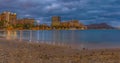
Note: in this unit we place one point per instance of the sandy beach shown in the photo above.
(25, 52)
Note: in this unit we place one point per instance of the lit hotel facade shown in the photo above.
(11, 19)
(56, 21)
(71, 24)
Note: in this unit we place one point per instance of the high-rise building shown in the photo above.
(13, 18)
(56, 21)
(9, 17)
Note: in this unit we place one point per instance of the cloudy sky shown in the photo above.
(87, 11)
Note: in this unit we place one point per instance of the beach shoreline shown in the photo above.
(14, 51)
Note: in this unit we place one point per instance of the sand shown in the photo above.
(14, 51)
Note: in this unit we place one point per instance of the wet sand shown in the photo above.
(25, 52)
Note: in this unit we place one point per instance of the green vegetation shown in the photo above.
(2, 24)
(6, 25)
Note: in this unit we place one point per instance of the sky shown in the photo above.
(86, 11)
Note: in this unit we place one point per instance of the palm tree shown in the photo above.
(3, 24)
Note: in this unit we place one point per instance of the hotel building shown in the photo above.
(29, 21)
(9, 17)
(56, 21)
(71, 24)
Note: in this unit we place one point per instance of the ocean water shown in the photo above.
(79, 38)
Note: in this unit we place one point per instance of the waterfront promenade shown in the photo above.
(14, 51)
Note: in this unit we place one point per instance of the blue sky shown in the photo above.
(87, 11)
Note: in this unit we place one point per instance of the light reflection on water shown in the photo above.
(78, 38)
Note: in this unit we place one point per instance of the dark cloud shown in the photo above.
(87, 11)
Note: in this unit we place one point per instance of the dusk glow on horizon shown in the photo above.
(87, 11)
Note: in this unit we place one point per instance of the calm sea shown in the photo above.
(79, 38)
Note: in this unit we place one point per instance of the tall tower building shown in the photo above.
(56, 21)
(9, 17)
(13, 18)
